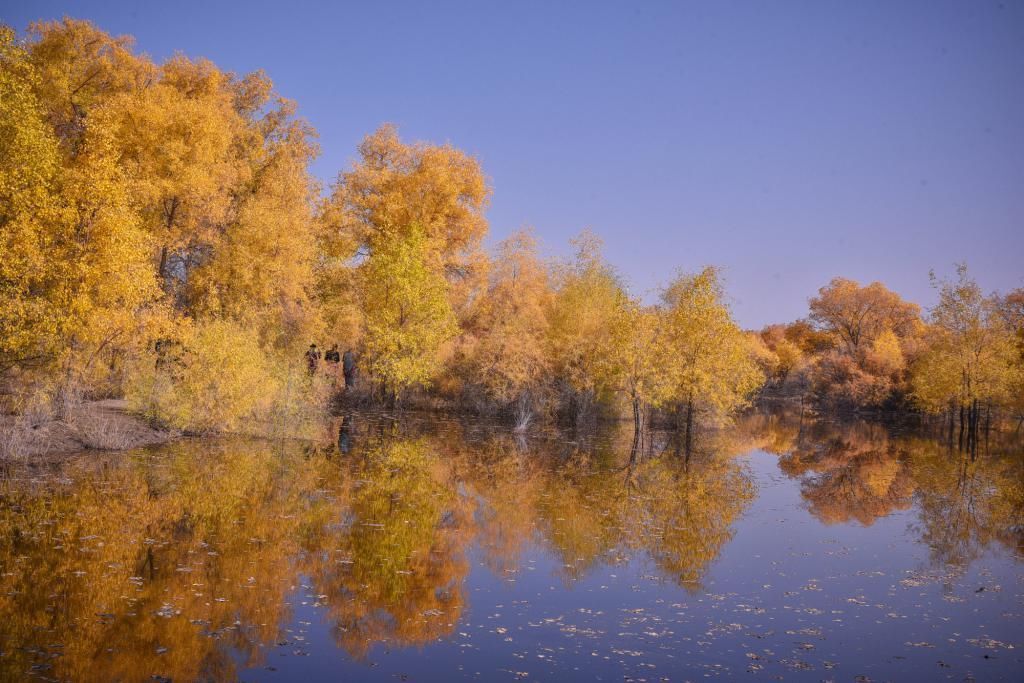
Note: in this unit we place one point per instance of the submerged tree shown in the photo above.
(971, 362)
(635, 359)
(709, 359)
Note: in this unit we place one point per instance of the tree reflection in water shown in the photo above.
(184, 560)
(861, 472)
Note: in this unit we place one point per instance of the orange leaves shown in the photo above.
(395, 186)
(857, 315)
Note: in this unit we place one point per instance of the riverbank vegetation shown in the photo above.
(163, 239)
(863, 348)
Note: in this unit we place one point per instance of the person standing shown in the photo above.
(348, 366)
(312, 359)
(332, 356)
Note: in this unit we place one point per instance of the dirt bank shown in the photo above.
(99, 425)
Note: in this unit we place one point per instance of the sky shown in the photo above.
(786, 142)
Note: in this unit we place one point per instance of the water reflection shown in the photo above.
(389, 565)
(861, 471)
(185, 562)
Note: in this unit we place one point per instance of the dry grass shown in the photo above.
(21, 437)
(15, 436)
(97, 431)
(523, 420)
(95, 426)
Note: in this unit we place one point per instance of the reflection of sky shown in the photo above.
(788, 144)
(842, 581)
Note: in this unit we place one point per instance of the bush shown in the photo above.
(214, 378)
(841, 383)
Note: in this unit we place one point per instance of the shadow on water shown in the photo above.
(189, 561)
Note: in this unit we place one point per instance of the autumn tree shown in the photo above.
(874, 331)
(588, 296)
(216, 167)
(710, 360)
(634, 358)
(971, 361)
(395, 186)
(857, 315)
(30, 303)
(74, 257)
(504, 344)
(408, 313)
(1011, 308)
(272, 225)
(787, 355)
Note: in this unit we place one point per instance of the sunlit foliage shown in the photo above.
(150, 203)
(588, 297)
(971, 356)
(73, 259)
(408, 314)
(503, 347)
(396, 188)
(710, 359)
(213, 378)
(858, 315)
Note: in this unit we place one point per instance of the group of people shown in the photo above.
(333, 357)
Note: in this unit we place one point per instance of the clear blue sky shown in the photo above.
(785, 141)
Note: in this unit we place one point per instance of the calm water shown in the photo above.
(441, 551)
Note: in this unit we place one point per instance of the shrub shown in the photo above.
(215, 378)
(840, 383)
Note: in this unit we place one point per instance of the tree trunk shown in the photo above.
(689, 426)
(972, 430)
(636, 417)
(951, 418)
(960, 439)
(162, 271)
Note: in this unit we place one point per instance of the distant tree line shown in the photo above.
(863, 348)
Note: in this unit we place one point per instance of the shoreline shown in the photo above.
(105, 425)
(108, 425)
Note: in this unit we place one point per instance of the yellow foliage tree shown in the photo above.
(74, 257)
(634, 358)
(971, 357)
(886, 355)
(588, 297)
(215, 378)
(858, 315)
(30, 301)
(504, 348)
(396, 186)
(407, 311)
(215, 165)
(272, 226)
(710, 361)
